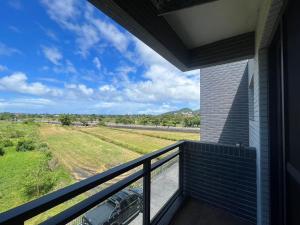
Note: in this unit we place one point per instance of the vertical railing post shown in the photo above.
(181, 155)
(146, 192)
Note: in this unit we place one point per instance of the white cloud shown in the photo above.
(2, 68)
(26, 105)
(8, 51)
(118, 39)
(85, 90)
(107, 88)
(18, 82)
(82, 88)
(163, 84)
(61, 10)
(52, 54)
(89, 30)
(66, 67)
(97, 63)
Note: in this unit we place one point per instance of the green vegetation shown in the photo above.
(25, 145)
(65, 119)
(168, 135)
(36, 159)
(136, 142)
(2, 152)
(182, 118)
(25, 175)
(82, 154)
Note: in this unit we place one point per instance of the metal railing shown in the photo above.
(31, 209)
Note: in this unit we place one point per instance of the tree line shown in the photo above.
(170, 120)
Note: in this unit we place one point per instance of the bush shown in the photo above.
(2, 152)
(65, 120)
(16, 134)
(29, 121)
(101, 123)
(6, 142)
(25, 145)
(38, 182)
(43, 147)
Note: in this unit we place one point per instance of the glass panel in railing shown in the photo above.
(164, 184)
(137, 186)
(124, 207)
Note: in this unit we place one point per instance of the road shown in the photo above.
(163, 186)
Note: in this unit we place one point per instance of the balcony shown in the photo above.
(185, 183)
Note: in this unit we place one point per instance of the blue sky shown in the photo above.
(68, 57)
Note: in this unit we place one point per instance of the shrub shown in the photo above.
(29, 121)
(16, 134)
(101, 123)
(43, 146)
(25, 145)
(2, 152)
(38, 182)
(84, 122)
(6, 142)
(65, 120)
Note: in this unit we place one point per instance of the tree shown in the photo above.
(65, 119)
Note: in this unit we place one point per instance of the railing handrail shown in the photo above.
(44, 203)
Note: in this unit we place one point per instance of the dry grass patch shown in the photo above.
(136, 142)
(168, 135)
(83, 154)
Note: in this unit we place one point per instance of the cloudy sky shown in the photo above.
(68, 57)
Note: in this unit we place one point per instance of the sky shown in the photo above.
(69, 57)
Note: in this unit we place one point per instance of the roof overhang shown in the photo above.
(190, 34)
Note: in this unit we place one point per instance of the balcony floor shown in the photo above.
(195, 212)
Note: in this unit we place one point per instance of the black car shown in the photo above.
(119, 209)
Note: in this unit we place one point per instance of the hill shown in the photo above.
(183, 111)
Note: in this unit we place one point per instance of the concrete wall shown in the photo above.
(224, 104)
(258, 127)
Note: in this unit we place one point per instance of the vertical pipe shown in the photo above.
(146, 192)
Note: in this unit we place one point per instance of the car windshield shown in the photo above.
(112, 203)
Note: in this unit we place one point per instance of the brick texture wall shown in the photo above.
(222, 175)
(224, 103)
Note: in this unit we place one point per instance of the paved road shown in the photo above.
(163, 187)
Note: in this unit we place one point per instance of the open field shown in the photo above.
(168, 135)
(83, 154)
(136, 142)
(69, 154)
(19, 170)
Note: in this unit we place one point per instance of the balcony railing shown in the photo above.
(219, 174)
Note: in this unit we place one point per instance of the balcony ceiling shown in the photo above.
(190, 33)
(214, 21)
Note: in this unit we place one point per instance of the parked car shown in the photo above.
(119, 209)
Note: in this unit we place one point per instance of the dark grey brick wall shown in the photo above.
(222, 175)
(224, 103)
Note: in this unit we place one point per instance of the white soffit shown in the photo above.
(214, 21)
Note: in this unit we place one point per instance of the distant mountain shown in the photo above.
(183, 111)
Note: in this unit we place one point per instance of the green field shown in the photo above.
(136, 142)
(68, 154)
(168, 135)
(20, 172)
(83, 154)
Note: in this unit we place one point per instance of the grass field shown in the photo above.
(83, 154)
(168, 135)
(73, 153)
(136, 142)
(19, 168)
